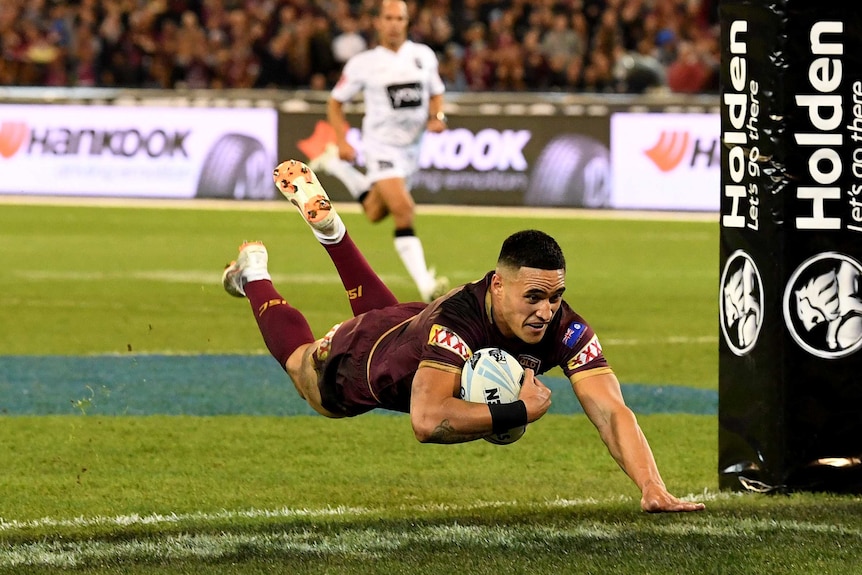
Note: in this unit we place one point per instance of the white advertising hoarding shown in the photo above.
(665, 161)
(137, 151)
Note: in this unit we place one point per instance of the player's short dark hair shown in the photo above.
(531, 249)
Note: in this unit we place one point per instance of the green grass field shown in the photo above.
(236, 493)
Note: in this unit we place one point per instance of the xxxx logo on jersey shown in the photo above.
(447, 339)
(588, 353)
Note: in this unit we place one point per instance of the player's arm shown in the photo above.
(338, 120)
(436, 116)
(439, 415)
(602, 400)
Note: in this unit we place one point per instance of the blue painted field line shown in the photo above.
(226, 385)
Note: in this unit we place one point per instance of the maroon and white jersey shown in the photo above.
(371, 359)
(396, 88)
(463, 323)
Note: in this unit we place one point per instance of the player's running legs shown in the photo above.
(390, 196)
(387, 196)
(365, 290)
(329, 162)
(285, 330)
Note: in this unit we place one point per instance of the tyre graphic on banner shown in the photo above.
(572, 170)
(237, 167)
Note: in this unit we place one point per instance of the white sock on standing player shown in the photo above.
(410, 251)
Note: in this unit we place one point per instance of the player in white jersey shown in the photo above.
(403, 96)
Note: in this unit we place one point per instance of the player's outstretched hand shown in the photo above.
(656, 499)
(535, 395)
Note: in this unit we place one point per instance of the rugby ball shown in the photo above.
(492, 375)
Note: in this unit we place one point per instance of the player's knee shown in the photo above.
(375, 214)
(373, 208)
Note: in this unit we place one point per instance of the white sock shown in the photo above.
(253, 275)
(334, 232)
(410, 251)
(355, 181)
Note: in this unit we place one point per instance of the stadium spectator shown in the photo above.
(408, 357)
(478, 67)
(536, 71)
(347, 41)
(560, 45)
(688, 73)
(403, 95)
(452, 68)
(283, 43)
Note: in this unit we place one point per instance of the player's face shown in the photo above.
(526, 300)
(391, 24)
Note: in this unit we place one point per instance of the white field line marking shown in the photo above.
(353, 208)
(368, 542)
(185, 277)
(7, 525)
(676, 339)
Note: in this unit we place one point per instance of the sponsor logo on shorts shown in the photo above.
(326, 343)
(444, 337)
(573, 334)
(588, 353)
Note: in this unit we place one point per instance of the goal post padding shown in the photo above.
(790, 307)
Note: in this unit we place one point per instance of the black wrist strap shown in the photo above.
(506, 416)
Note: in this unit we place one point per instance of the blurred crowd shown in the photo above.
(605, 46)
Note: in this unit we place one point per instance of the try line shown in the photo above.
(352, 207)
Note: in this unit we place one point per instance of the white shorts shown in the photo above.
(384, 161)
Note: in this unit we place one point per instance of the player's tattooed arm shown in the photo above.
(446, 433)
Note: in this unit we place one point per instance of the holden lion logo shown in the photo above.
(741, 303)
(823, 306)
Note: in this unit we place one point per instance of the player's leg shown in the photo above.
(373, 206)
(285, 330)
(365, 289)
(388, 169)
(394, 194)
(356, 182)
(300, 367)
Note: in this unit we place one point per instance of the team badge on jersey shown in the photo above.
(528, 361)
(588, 353)
(573, 334)
(444, 337)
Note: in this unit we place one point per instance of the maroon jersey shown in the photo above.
(369, 361)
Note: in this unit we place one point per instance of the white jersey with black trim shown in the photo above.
(396, 87)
